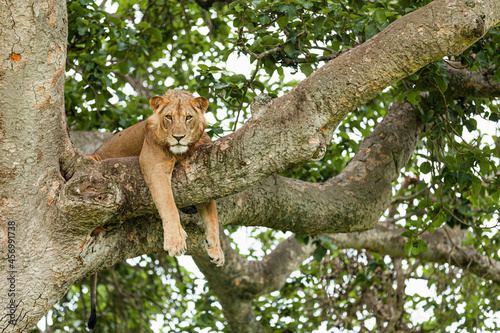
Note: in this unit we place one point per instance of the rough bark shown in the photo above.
(445, 246)
(32, 51)
(73, 216)
(464, 83)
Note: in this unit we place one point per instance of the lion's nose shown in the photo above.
(178, 138)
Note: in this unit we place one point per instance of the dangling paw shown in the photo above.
(214, 251)
(175, 241)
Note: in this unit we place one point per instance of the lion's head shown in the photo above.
(178, 120)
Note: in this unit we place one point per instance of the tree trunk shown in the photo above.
(33, 52)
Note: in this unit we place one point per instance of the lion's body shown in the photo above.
(174, 131)
(123, 144)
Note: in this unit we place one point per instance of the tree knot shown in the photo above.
(260, 105)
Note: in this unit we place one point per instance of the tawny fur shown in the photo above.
(177, 113)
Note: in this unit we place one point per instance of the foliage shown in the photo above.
(121, 52)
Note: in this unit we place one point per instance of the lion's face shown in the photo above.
(178, 120)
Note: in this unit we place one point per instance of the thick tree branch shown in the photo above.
(444, 246)
(353, 200)
(464, 83)
(240, 281)
(114, 191)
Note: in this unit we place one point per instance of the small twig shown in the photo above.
(247, 84)
(322, 48)
(468, 224)
(410, 197)
(419, 212)
(228, 103)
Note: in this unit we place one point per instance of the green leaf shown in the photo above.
(237, 78)
(82, 30)
(270, 40)
(260, 5)
(258, 84)
(451, 160)
(496, 76)
(221, 85)
(463, 178)
(289, 48)
(470, 124)
(476, 185)
(115, 20)
(484, 166)
(319, 25)
(100, 100)
(235, 3)
(306, 69)
(407, 234)
(407, 248)
(414, 97)
(371, 30)
(123, 67)
(264, 19)
(425, 168)
(422, 245)
(121, 46)
(282, 22)
(441, 82)
(291, 11)
(320, 252)
(415, 249)
(155, 33)
(482, 58)
(379, 16)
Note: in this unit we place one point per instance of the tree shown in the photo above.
(402, 82)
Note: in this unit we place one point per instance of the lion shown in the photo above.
(174, 130)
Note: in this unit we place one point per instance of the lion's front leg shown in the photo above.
(208, 212)
(174, 238)
(157, 173)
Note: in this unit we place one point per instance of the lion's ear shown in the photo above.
(157, 101)
(200, 103)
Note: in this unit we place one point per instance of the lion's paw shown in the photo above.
(175, 241)
(214, 251)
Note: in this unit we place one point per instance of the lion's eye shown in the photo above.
(169, 117)
(189, 117)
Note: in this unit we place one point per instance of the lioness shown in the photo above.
(172, 132)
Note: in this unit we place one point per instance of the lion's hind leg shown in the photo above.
(208, 212)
